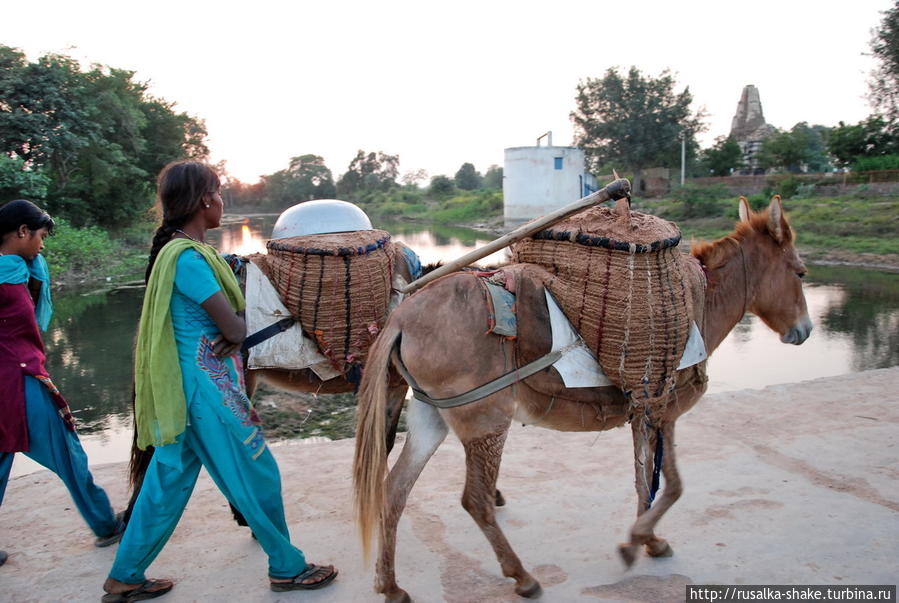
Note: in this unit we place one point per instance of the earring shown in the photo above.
(206, 205)
(21, 236)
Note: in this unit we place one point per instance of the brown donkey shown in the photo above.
(439, 336)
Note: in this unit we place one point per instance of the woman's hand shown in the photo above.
(222, 348)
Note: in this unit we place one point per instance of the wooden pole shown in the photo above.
(616, 190)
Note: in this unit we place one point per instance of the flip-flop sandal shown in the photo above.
(141, 593)
(311, 570)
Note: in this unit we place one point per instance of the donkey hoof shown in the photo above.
(398, 596)
(628, 553)
(659, 548)
(500, 499)
(529, 588)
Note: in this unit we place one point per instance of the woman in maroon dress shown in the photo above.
(34, 417)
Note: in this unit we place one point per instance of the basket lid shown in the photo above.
(633, 231)
(321, 216)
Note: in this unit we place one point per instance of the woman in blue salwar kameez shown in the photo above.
(190, 401)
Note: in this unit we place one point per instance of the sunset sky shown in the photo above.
(440, 84)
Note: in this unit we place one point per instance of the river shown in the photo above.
(855, 312)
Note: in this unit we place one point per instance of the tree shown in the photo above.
(44, 118)
(493, 178)
(873, 137)
(634, 122)
(884, 83)
(307, 177)
(442, 186)
(723, 158)
(802, 149)
(369, 172)
(97, 135)
(19, 182)
(414, 177)
(468, 178)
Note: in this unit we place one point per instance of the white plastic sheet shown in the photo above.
(578, 366)
(290, 349)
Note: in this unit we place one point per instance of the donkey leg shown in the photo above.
(426, 430)
(482, 458)
(642, 531)
(395, 398)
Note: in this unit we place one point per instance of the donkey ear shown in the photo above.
(744, 210)
(775, 219)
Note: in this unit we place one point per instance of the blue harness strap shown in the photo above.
(656, 468)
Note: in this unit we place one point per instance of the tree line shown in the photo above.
(87, 144)
(371, 178)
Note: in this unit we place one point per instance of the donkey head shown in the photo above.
(777, 296)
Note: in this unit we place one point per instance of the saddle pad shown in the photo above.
(503, 306)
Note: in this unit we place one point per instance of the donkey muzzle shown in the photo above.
(799, 332)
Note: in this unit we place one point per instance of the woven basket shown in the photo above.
(338, 286)
(621, 282)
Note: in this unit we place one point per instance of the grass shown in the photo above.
(288, 415)
(76, 255)
(823, 224)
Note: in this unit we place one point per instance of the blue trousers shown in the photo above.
(58, 449)
(240, 464)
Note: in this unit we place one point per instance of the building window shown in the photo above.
(558, 162)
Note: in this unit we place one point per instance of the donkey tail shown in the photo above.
(370, 462)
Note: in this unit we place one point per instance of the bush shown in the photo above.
(873, 164)
(787, 188)
(478, 205)
(692, 202)
(72, 249)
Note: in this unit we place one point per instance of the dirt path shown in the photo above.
(792, 484)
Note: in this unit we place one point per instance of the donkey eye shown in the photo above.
(801, 274)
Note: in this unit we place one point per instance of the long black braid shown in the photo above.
(163, 235)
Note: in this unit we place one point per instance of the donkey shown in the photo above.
(438, 335)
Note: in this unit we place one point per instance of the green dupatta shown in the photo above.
(160, 407)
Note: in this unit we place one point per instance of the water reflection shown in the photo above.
(89, 345)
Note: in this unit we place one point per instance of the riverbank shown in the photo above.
(791, 484)
(831, 231)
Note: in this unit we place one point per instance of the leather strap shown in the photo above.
(267, 333)
(485, 390)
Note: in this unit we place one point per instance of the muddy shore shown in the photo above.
(791, 484)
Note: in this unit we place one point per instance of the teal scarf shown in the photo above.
(15, 270)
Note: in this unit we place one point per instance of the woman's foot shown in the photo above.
(314, 576)
(122, 592)
(116, 534)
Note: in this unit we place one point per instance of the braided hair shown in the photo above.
(179, 189)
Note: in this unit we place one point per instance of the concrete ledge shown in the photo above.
(792, 484)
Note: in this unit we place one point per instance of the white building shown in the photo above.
(541, 179)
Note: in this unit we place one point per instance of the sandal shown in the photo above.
(325, 574)
(117, 532)
(141, 592)
(3, 557)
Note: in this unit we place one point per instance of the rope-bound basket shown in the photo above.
(619, 278)
(338, 286)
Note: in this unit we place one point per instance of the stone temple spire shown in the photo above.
(749, 117)
(749, 129)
